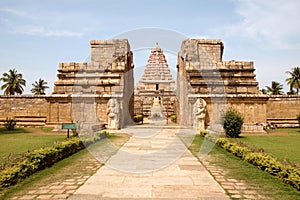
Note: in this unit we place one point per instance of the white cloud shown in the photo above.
(20, 22)
(14, 12)
(43, 31)
(276, 22)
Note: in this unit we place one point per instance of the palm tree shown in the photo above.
(39, 87)
(13, 82)
(264, 91)
(275, 89)
(294, 80)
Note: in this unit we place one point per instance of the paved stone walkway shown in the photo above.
(181, 178)
(236, 188)
(153, 164)
(64, 188)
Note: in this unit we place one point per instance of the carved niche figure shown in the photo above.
(113, 112)
(199, 114)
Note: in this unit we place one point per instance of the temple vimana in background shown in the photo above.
(102, 92)
(156, 82)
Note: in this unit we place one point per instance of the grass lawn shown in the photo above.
(59, 171)
(21, 140)
(62, 170)
(263, 182)
(285, 146)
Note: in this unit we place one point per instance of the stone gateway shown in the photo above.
(101, 92)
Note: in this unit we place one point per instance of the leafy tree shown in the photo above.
(275, 89)
(294, 80)
(232, 122)
(264, 91)
(13, 82)
(39, 87)
(291, 92)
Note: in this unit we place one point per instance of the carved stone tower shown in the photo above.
(156, 81)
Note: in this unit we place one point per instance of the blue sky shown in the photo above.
(35, 36)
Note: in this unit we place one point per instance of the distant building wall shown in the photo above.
(283, 109)
(30, 110)
(283, 106)
(23, 105)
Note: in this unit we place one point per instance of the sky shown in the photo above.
(35, 36)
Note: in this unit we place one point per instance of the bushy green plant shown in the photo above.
(138, 118)
(203, 133)
(232, 122)
(174, 118)
(10, 124)
(263, 161)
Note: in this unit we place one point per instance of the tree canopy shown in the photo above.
(275, 89)
(39, 87)
(294, 80)
(13, 82)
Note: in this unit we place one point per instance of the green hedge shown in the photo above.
(263, 161)
(138, 118)
(45, 157)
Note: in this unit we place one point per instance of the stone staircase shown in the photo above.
(28, 121)
(283, 122)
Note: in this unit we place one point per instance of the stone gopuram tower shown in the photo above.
(96, 92)
(156, 82)
(202, 74)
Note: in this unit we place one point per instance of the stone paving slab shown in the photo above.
(156, 167)
(237, 189)
(61, 189)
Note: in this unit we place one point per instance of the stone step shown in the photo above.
(32, 121)
(31, 124)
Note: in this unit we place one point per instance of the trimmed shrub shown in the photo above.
(232, 122)
(10, 124)
(291, 175)
(45, 157)
(138, 118)
(203, 133)
(174, 118)
(265, 162)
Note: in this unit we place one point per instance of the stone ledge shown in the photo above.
(32, 96)
(113, 41)
(228, 95)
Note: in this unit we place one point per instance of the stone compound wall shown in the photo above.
(253, 108)
(283, 109)
(27, 109)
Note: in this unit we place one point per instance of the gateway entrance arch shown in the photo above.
(201, 74)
